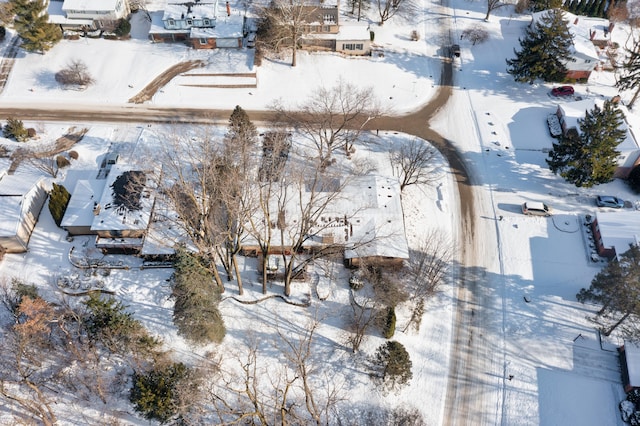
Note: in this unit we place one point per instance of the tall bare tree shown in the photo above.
(284, 23)
(192, 168)
(415, 163)
(387, 9)
(333, 118)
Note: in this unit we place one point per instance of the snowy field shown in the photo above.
(562, 373)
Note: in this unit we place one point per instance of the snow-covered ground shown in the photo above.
(562, 374)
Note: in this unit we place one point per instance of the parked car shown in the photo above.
(609, 201)
(534, 208)
(562, 91)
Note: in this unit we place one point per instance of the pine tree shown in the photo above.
(588, 157)
(241, 133)
(630, 78)
(15, 129)
(32, 24)
(393, 364)
(617, 288)
(545, 50)
(58, 201)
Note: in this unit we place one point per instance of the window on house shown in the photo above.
(189, 21)
(329, 18)
(203, 41)
(352, 46)
(326, 28)
(588, 61)
(171, 22)
(206, 22)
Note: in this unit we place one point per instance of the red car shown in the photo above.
(562, 91)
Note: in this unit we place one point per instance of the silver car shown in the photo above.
(535, 208)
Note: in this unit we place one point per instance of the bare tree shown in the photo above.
(415, 163)
(476, 34)
(75, 73)
(284, 23)
(333, 118)
(365, 312)
(192, 169)
(493, 5)
(387, 9)
(23, 374)
(428, 269)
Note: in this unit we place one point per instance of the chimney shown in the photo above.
(592, 34)
(228, 9)
(611, 25)
(576, 21)
(96, 208)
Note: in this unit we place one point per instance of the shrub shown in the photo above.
(415, 35)
(58, 201)
(73, 155)
(155, 393)
(390, 323)
(15, 129)
(476, 34)
(62, 161)
(393, 365)
(123, 28)
(76, 73)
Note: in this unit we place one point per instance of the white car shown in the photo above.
(535, 208)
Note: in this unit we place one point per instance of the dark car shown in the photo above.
(609, 201)
(562, 91)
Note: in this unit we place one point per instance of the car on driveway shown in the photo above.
(562, 91)
(534, 208)
(609, 201)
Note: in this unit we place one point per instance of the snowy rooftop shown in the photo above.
(90, 5)
(225, 27)
(114, 216)
(194, 11)
(580, 28)
(13, 192)
(619, 229)
(632, 354)
(84, 197)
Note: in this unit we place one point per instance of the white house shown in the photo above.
(570, 112)
(615, 232)
(88, 14)
(21, 201)
(202, 24)
(585, 55)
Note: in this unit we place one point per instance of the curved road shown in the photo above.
(465, 397)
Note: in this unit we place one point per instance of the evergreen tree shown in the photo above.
(540, 5)
(545, 50)
(241, 133)
(630, 78)
(58, 201)
(32, 24)
(393, 364)
(156, 393)
(588, 157)
(195, 311)
(600, 11)
(15, 129)
(617, 288)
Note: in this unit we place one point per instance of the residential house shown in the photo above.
(630, 365)
(569, 113)
(116, 208)
(585, 55)
(364, 222)
(21, 200)
(201, 24)
(88, 15)
(615, 232)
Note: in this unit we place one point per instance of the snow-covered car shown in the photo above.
(562, 91)
(534, 208)
(609, 201)
(554, 125)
